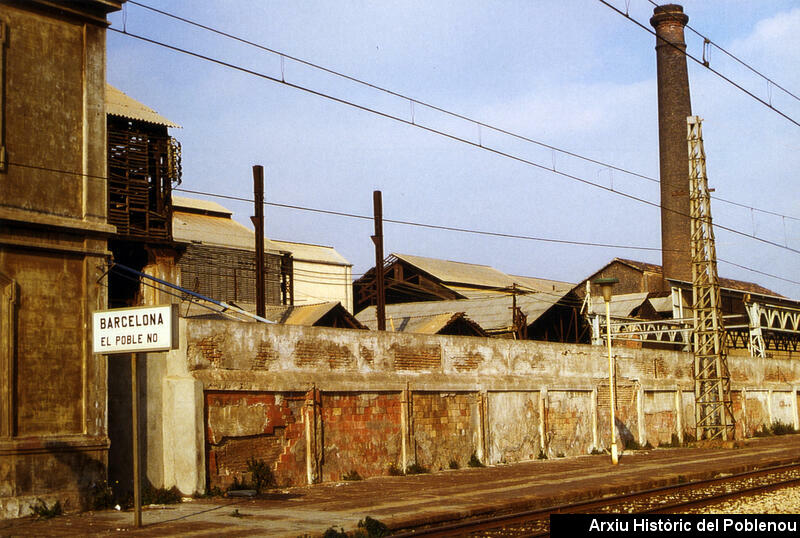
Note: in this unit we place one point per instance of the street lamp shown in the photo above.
(605, 286)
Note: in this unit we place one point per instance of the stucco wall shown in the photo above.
(53, 441)
(365, 401)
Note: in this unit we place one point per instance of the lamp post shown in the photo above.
(605, 286)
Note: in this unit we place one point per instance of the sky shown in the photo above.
(569, 74)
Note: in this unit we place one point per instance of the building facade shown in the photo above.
(53, 252)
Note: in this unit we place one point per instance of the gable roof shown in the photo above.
(731, 284)
(450, 272)
(492, 314)
(309, 315)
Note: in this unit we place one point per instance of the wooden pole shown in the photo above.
(380, 291)
(137, 481)
(258, 222)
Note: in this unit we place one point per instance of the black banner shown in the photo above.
(612, 525)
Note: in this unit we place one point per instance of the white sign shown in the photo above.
(145, 328)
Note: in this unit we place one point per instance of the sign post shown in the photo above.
(135, 330)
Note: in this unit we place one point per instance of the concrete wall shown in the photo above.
(318, 403)
(53, 440)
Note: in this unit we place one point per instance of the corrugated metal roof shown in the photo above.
(450, 272)
(542, 284)
(216, 227)
(306, 315)
(621, 305)
(214, 230)
(119, 104)
(311, 253)
(193, 204)
(491, 313)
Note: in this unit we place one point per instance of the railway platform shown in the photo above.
(405, 502)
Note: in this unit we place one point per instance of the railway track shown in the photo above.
(678, 498)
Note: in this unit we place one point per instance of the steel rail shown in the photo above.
(502, 521)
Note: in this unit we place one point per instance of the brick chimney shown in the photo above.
(674, 105)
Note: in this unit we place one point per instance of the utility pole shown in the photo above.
(712, 380)
(258, 222)
(380, 292)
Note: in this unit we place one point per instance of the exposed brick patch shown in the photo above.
(567, 431)
(265, 357)
(417, 357)
(444, 427)
(280, 443)
(209, 348)
(361, 432)
(467, 363)
(315, 353)
(367, 354)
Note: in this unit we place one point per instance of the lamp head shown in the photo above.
(605, 286)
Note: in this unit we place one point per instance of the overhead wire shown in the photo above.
(447, 228)
(364, 217)
(414, 101)
(702, 63)
(443, 134)
(752, 69)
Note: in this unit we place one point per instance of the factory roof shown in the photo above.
(120, 104)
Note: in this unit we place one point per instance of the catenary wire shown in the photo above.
(700, 62)
(350, 215)
(434, 107)
(738, 60)
(440, 133)
(364, 217)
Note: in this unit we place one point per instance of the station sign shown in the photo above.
(144, 328)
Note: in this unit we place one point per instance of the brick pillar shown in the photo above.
(674, 105)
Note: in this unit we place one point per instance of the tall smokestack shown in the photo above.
(674, 105)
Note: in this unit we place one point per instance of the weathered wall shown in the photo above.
(53, 441)
(318, 403)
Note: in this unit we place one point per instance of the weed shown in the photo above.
(780, 428)
(213, 492)
(541, 456)
(474, 461)
(453, 464)
(632, 444)
(560, 455)
(374, 528)
(416, 468)
(394, 470)
(100, 496)
(764, 431)
(334, 532)
(151, 495)
(41, 510)
(352, 475)
(673, 443)
(261, 474)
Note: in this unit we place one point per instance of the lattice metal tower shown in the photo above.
(712, 384)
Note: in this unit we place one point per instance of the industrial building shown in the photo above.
(474, 362)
